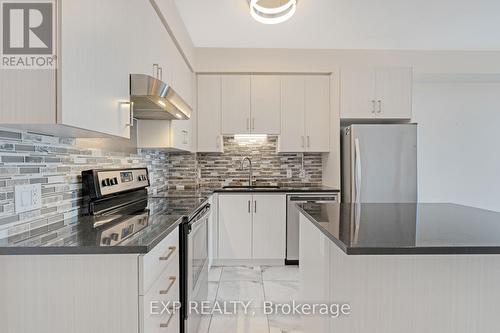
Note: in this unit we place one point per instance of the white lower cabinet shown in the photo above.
(252, 226)
(269, 226)
(159, 287)
(235, 226)
(314, 274)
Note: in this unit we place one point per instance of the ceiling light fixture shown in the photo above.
(275, 14)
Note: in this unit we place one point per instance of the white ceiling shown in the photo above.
(349, 24)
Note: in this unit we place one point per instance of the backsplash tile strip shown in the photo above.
(269, 167)
(56, 164)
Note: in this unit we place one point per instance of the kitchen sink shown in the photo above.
(253, 188)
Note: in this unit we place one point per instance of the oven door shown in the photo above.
(196, 267)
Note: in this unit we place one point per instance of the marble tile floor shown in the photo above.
(256, 284)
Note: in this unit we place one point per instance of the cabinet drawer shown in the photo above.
(165, 289)
(163, 255)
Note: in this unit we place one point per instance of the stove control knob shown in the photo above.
(106, 241)
(115, 181)
(103, 183)
(114, 236)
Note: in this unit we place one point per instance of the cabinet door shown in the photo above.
(209, 113)
(269, 226)
(357, 93)
(96, 64)
(235, 227)
(314, 270)
(235, 104)
(292, 137)
(180, 134)
(265, 104)
(317, 113)
(394, 90)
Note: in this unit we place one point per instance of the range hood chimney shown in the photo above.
(155, 99)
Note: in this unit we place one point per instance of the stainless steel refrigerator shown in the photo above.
(379, 163)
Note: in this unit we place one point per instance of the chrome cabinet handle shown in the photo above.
(253, 124)
(373, 106)
(172, 281)
(248, 206)
(379, 106)
(171, 250)
(131, 113)
(185, 137)
(155, 70)
(255, 206)
(302, 137)
(217, 142)
(172, 312)
(160, 73)
(308, 142)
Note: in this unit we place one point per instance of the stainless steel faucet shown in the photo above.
(247, 158)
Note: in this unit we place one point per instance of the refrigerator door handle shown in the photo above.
(357, 171)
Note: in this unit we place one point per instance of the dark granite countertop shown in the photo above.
(407, 228)
(161, 217)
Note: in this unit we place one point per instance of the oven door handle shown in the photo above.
(203, 211)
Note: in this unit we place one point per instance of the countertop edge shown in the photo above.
(89, 250)
(427, 250)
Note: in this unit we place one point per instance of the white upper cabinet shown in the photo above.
(317, 106)
(380, 93)
(357, 93)
(394, 92)
(292, 138)
(100, 45)
(209, 113)
(235, 104)
(305, 113)
(265, 104)
(251, 104)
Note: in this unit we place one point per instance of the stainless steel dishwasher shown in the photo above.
(292, 220)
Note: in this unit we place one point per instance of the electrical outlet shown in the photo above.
(288, 173)
(28, 197)
(302, 174)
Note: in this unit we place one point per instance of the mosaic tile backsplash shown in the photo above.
(269, 168)
(56, 164)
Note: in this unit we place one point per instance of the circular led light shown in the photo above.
(272, 15)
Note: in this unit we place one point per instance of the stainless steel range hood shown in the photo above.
(155, 99)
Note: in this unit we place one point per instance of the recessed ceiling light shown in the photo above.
(272, 14)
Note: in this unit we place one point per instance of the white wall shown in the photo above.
(459, 142)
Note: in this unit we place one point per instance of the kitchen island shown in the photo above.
(410, 268)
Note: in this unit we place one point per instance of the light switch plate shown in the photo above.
(28, 197)
(288, 173)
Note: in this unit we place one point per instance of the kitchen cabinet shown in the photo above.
(209, 114)
(376, 93)
(91, 292)
(265, 104)
(305, 113)
(235, 104)
(252, 226)
(174, 135)
(314, 274)
(250, 104)
(87, 95)
(235, 226)
(269, 226)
